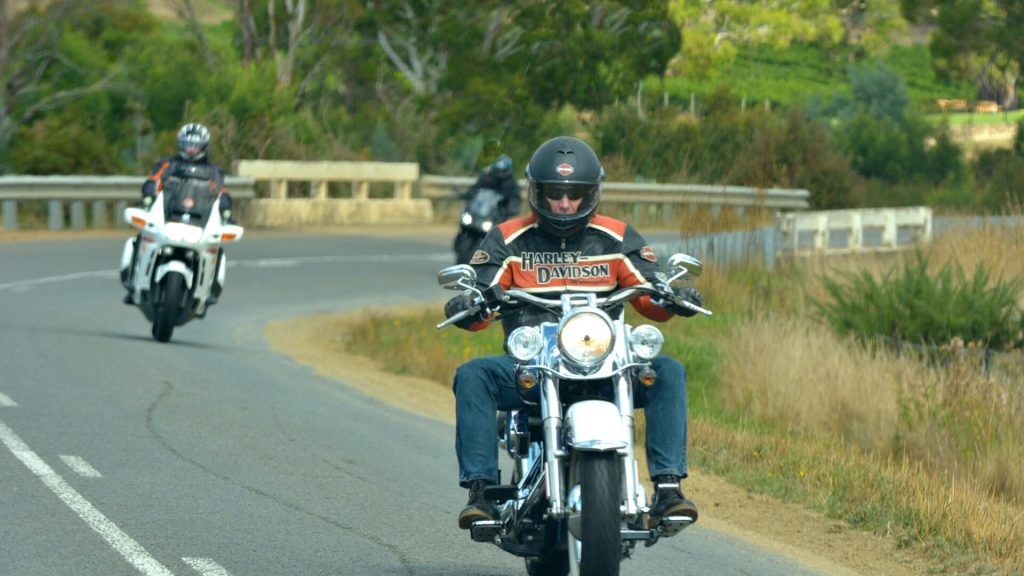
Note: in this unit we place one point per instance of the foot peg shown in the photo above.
(672, 525)
(501, 492)
(485, 530)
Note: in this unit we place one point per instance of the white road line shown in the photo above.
(206, 567)
(80, 466)
(134, 553)
(260, 263)
(6, 401)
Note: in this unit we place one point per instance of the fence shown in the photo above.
(300, 193)
(766, 245)
(67, 197)
(646, 201)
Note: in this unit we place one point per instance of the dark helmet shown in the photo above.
(502, 167)
(564, 165)
(193, 142)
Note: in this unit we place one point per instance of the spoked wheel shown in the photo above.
(598, 551)
(168, 308)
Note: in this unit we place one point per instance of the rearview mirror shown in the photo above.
(684, 268)
(458, 276)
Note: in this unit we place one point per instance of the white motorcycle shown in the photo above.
(177, 270)
(576, 504)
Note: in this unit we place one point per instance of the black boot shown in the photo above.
(478, 508)
(669, 500)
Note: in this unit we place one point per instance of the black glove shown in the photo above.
(459, 303)
(689, 294)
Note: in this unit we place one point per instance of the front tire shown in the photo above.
(172, 292)
(599, 550)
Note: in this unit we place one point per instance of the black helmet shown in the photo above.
(502, 167)
(193, 142)
(564, 165)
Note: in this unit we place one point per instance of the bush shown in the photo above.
(918, 307)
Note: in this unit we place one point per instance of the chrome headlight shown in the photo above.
(586, 337)
(466, 218)
(487, 225)
(525, 343)
(646, 341)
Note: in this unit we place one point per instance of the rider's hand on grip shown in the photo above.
(460, 303)
(687, 293)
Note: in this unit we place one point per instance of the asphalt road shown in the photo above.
(212, 455)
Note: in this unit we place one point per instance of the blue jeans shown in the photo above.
(486, 385)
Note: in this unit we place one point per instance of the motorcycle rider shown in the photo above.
(563, 232)
(193, 152)
(498, 177)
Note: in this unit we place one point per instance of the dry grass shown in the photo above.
(947, 439)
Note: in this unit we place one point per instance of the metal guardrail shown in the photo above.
(440, 187)
(99, 190)
(76, 191)
(765, 245)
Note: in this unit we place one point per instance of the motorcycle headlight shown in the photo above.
(646, 341)
(466, 218)
(586, 337)
(487, 225)
(525, 343)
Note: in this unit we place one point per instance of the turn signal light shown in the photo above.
(648, 376)
(527, 379)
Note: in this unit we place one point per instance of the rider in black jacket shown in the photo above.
(498, 177)
(193, 154)
(564, 245)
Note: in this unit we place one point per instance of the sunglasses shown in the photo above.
(556, 192)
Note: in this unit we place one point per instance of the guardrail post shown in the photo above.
(361, 190)
(56, 211)
(119, 213)
(889, 236)
(99, 214)
(10, 214)
(77, 215)
(319, 190)
(279, 189)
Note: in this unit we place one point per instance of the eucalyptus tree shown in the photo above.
(713, 32)
(982, 41)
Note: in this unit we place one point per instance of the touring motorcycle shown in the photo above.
(481, 213)
(576, 504)
(174, 269)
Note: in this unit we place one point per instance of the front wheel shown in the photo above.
(172, 293)
(598, 552)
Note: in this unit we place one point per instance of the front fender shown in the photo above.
(174, 266)
(595, 425)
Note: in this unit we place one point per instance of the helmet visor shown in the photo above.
(554, 191)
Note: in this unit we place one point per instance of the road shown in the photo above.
(213, 455)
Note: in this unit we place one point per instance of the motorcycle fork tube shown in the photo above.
(624, 400)
(551, 411)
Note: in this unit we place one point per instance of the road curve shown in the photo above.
(212, 455)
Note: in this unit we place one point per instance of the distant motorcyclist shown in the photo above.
(193, 156)
(498, 177)
(193, 149)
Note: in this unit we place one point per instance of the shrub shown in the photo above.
(930, 309)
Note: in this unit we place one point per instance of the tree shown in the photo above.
(980, 40)
(871, 25)
(35, 74)
(713, 32)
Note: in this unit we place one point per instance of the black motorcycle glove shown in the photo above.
(687, 293)
(458, 304)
